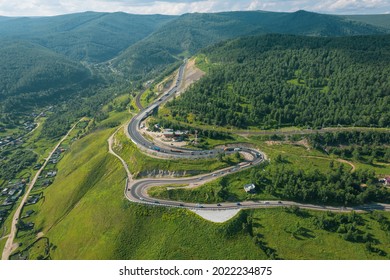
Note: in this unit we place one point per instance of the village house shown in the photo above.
(51, 173)
(32, 199)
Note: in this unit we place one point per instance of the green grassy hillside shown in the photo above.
(296, 234)
(85, 216)
(140, 164)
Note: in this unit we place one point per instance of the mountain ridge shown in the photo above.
(187, 34)
(90, 36)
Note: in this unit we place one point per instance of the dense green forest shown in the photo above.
(282, 80)
(189, 33)
(32, 76)
(357, 145)
(90, 36)
(382, 21)
(339, 186)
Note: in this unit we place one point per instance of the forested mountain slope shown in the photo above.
(90, 36)
(382, 21)
(187, 34)
(30, 73)
(40, 56)
(282, 80)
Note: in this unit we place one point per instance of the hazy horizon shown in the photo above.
(38, 8)
(92, 11)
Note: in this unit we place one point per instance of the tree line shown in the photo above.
(359, 145)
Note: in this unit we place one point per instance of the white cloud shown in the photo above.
(354, 6)
(53, 7)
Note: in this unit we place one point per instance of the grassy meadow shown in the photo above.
(139, 162)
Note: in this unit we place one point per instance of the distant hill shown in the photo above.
(314, 24)
(187, 34)
(90, 36)
(30, 72)
(143, 45)
(273, 80)
(40, 56)
(382, 21)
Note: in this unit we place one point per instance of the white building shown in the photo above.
(249, 188)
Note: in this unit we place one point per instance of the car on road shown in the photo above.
(181, 204)
(156, 201)
(219, 204)
(214, 175)
(200, 178)
(238, 204)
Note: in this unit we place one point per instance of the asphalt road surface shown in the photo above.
(136, 190)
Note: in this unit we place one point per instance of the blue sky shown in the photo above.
(177, 7)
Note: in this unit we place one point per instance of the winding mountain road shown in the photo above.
(137, 190)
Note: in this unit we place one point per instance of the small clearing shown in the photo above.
(339, 160)
(304, 143)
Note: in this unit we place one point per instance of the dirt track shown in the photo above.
(9, 245)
